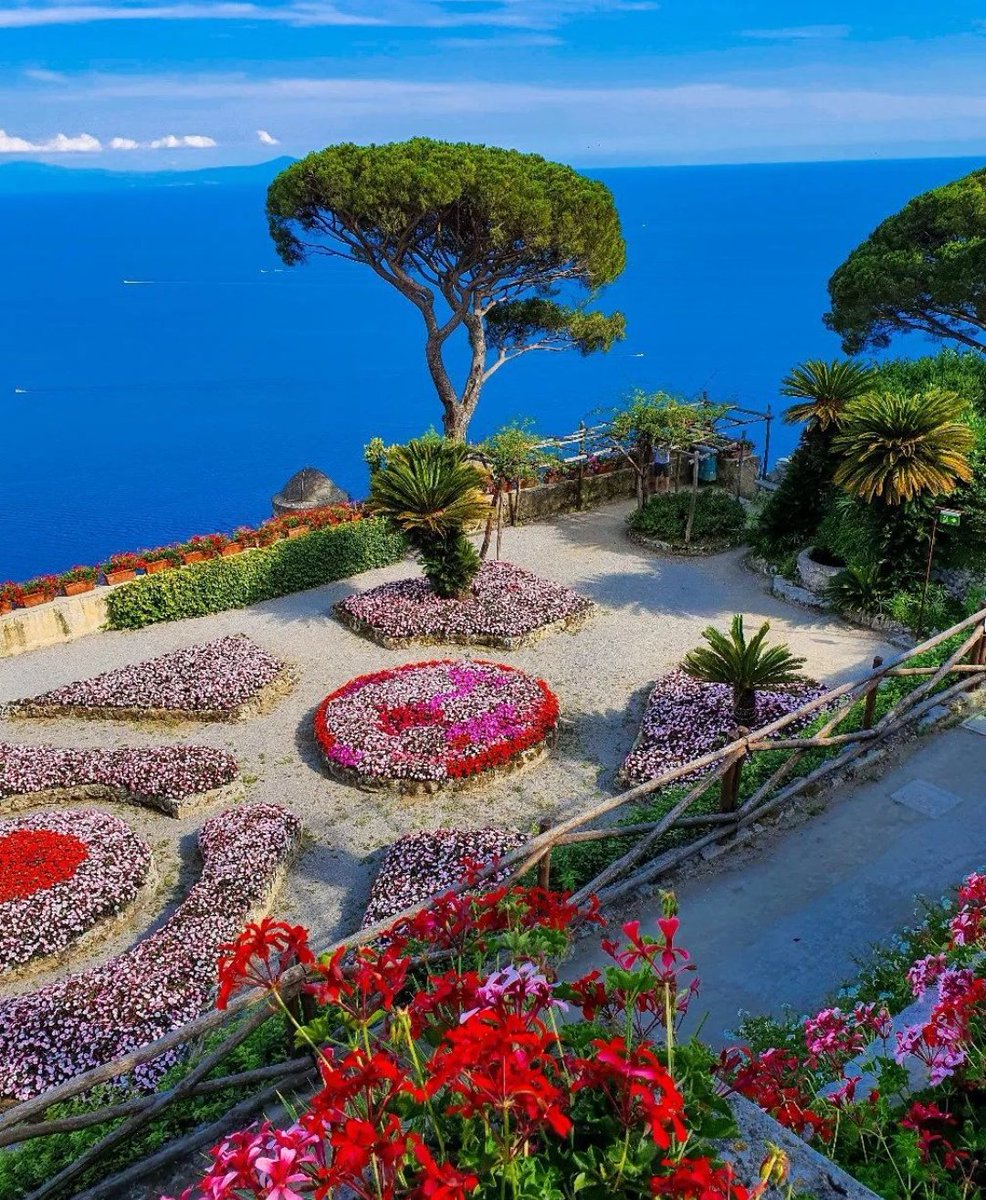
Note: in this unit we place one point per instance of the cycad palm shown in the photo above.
(899, 446)
(826, 389)
(432, 492)
(745, 666)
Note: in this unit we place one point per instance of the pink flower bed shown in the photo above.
(425, 864)
(114, 866)
(214, 677)
(433, 722)
(167, 774)
(686, 719)
(507, 603)
(93, 1017)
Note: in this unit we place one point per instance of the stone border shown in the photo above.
(230, 793)
(283, 683)
(570, 624)
(430, 787)
(696, 550)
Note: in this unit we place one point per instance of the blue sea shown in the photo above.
(137, 413)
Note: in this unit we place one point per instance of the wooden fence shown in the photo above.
(963, 670)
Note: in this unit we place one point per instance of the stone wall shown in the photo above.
(540, 503)
(61, 620)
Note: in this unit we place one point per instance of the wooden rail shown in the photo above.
(963, 670)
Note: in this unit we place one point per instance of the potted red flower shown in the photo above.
(295, 526)
(78, 580)
(245, 537)
(38, 591)
(121, 568)
(268, 533)
(11, 595)
(162, 558)
(197, 549)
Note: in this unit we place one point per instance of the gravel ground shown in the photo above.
(651, 610)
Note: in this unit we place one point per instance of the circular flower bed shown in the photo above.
(429, 725)
(60, 873)
(508, 608)
(686, 719)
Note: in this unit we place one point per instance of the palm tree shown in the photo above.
(746, 666)
(899, 446)
(827, 389)
(430, 491)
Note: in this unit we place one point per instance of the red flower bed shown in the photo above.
(34, 859)
(434, 722)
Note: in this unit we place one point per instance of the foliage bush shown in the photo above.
(719, 518)
(290, 565)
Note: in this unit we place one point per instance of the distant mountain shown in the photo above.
(29, 178)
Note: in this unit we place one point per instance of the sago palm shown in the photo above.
(745, 666)
(899, 446)
(826, 389)
(431, 491)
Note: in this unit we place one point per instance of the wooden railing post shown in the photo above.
(978, 656)
(544, 866)
(869, 708)
(729, 788)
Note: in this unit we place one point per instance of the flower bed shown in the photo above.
(899, 1103)
(425, 864)
(171, 778)
(686, 719)
(60, 874)
(429, 725)
(227, 679)
(508, 608)
(95, 1016)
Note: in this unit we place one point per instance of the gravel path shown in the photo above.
(651, 610)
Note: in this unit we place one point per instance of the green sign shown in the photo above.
(950, 516)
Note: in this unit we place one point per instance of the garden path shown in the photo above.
(780, 922)
(652, 610)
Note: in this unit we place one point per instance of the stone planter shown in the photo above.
(122, 576)
(193, 556)
(32, 599)
(815, 576)
(158, 564)
(232, 548)
(298, 531)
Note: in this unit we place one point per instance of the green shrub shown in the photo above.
(719, 518)
(291, 565)
(859, 589)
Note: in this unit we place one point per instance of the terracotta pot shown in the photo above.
(32, 599)
(5, 607)
(232, 548)
(193, 556)
(122, 576)
(78, 587)
(299, 531)
(158, 564)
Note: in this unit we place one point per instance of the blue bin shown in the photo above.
(708, 469)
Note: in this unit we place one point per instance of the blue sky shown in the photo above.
(184, 83)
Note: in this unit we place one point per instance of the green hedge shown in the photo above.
(719, 518)
(291, 565)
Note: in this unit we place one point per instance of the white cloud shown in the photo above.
(123, 143)
(193, 141)
(267, 139)
(800, 33)
(524, 14)
(42, 75)
(61, 143)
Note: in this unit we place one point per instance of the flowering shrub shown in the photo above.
(167, 979)
(124, 561)
(468, 1086)
(163, 775)
(60, 873)
(81, 574)
(11, 594)
(506, 604)
(433, 722)
(686, 719)
(212, 678)
(908, 1117)
(420, 865)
